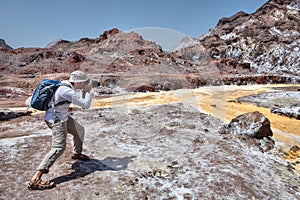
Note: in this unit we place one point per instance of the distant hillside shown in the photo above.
(262, 47)
(3, 45)
(268, 39)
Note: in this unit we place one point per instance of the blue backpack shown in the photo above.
(43, 94)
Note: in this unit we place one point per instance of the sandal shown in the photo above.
(80, 157)
(38, 185)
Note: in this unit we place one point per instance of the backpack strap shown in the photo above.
(65, 84)
(62, 102)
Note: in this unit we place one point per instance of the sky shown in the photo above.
(36, 23)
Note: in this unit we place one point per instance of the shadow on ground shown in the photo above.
(83, 168)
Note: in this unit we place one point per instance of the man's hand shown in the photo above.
(88, 87)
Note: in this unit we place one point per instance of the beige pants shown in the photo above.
(59, 137)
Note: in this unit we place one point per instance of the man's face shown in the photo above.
(79, 85)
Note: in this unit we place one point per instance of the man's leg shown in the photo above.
(59, 133)
(77, 130)
(59, 136)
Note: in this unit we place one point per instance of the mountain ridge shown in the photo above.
(269, 38)
(3, 45)
(261, 47)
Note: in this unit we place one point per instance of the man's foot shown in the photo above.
(40, 185)
(80, 156)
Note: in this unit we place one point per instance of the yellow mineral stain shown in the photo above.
(293, 155)
(136, 99)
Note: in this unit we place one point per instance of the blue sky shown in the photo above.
(36, 23)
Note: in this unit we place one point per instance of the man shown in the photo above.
(61, 123)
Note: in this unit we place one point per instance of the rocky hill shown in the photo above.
(3, 45)
(125, 55)
(262, 47)
(268, 39)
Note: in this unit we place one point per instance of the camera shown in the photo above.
(94, 83)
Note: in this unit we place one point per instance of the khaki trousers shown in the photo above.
(59, 137)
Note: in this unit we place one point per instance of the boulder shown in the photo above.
(249, 125)
(145, 88)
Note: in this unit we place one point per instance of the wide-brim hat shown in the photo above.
(78, 76)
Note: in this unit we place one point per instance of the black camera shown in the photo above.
(94, 83)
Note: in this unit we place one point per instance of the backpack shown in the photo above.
(43, 94)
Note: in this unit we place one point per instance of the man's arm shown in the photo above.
(79, 99)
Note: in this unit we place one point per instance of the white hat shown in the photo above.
(78, 76)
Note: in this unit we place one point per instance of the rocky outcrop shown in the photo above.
(292, 111)
(4, 46)
(274, 47)
(6, 114)
(112, 44)
(268, 39)
(39, 61)
(227, 24)
(194, 52)
(184, 43)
